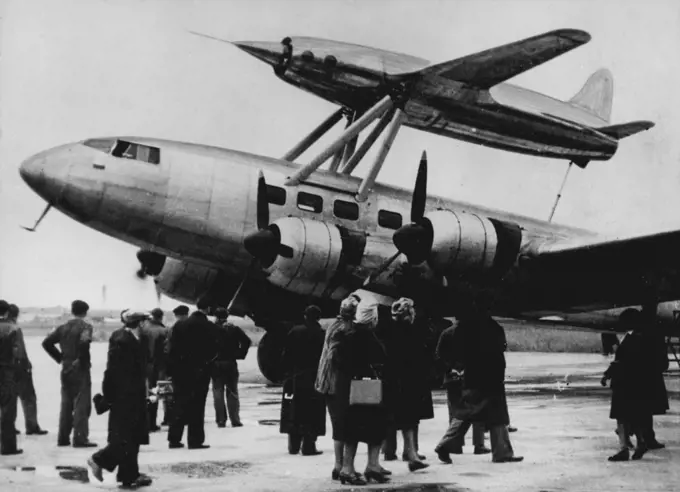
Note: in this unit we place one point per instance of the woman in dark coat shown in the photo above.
(408, 395)
(125, 392)
(633, 375)
(329, 377)
(360, 355)
(303, 410)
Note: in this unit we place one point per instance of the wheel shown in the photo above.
(269, 353)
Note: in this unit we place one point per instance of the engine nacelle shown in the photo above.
(184, 281)
(309, 257)
(463, 242)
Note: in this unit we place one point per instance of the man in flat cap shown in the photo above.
(25, 387)
(155, 333)
(74, 338)
(232, 345)
(124, 391)
(193, 349)
(9, 351)
(303, 410)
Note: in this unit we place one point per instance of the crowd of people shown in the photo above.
(369, 369)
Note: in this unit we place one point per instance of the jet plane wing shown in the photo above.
(493, 66)
(649, 252)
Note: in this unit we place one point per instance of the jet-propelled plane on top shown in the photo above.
(465, 98)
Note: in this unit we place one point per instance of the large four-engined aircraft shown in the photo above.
(265, 236)
(465, 98)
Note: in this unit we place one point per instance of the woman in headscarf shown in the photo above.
(406, 375)
(328, 375)
(360, 355)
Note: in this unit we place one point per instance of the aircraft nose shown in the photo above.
(45, 173)
(267, 51)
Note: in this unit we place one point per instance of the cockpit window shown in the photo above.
(139, 152)
(127, 150)
(103, 144)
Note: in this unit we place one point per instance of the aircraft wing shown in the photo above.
(493, 66)
(650, 252)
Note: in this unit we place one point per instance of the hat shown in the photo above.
(13, 311)
(313, 312)
(348, 307)
(156, 313)
(4, 306)
(131, 318)
(181, 310)
(221, 313)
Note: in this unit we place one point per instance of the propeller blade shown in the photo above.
(381, 269)
(262, 203)
(420, 191)
(264, 244)
(415, 241)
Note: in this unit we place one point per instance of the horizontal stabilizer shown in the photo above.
(626, 129)
(493, 66)
(597, 94)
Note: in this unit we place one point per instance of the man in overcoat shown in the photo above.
(303, 410)
(125, 393)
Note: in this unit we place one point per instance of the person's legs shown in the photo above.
(339, 452)
(8, 437)
(453, 439)
(233, 404)
(294, 442)
(622, 429)
(501, 448)
(29, 402)
(82, 408)
(389, 447)
(218, 386)
(68, 393)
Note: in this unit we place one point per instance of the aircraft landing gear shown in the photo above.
(269, 352)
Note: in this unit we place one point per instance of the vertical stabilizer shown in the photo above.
(597, 94)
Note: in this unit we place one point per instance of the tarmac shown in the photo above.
(555, 400)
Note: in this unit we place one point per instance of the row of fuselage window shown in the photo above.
(341, 209)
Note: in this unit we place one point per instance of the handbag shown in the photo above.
(366, 391)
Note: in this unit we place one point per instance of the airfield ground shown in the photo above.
(564, 433)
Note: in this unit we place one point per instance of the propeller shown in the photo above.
(265, 244)
(414, 240)
(417, 217)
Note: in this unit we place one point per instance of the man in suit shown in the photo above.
(181, 312)
(74, 338)
(124, 392)
(232, 345)
(9, 351)
(193, 349)
(25, 388)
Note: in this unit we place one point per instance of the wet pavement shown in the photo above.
(555, 400)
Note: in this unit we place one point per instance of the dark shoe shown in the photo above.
(639, 452)
(96, 469)
(622, 455)
(444, 457)
(482, 450)
(355, 479)
(655, 445)
(512, 429)
(154, 428)
(375, 476)
(61, 444)
(86, 444)
(9, 453)
(237, 424)
(385, 471)
(420, 457)
(509, 459)
(221, 425)
(390, 457)
(36, 432)
(175, 445)
(141, 481)
(416, 465)
(17, 431)
(629, 444)
(335, 474)
(165, 423)
(199, 446)
(313, 452)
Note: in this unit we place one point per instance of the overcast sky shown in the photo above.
(72, 69)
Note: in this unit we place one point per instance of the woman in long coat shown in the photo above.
(408, 395)
(329, 373)
(125, 392)
(633, 376)
(361, 355)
